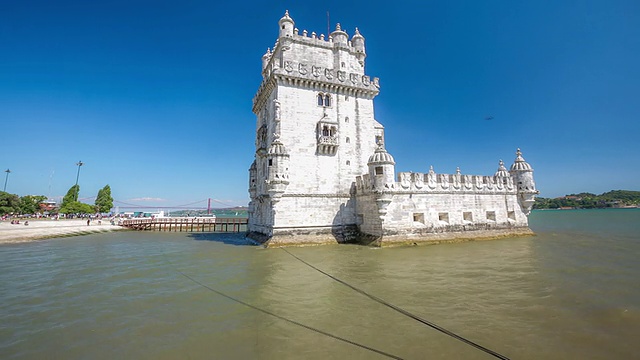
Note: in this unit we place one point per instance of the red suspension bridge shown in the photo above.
(204, 204)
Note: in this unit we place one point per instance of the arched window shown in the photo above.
(348, 140)
(324, 100)
(325, 131)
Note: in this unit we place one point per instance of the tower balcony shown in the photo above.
(327, 144)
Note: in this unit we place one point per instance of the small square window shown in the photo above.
(444, 217)
(491, 215)
(467, 216)
(511, 215)
(379, 170)
(418, 217)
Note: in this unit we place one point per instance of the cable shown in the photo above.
(283, 318)
(404, 312)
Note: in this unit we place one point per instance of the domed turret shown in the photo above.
(339, 36)
(520, 164)
(523, 177)
(381, 157)
(278, 173)
(502, 171)
(286, 25)
(382, 169)
(277, 148)
(358, 43)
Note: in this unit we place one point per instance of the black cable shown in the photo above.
(286, 319)
(404, 312)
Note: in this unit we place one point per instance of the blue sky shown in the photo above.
(155, 96)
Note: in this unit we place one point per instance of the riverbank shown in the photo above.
(39, 229)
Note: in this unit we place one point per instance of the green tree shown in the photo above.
(8, 203)
(104, 201)
(71, 205)
(30, 204)
(76, 207)
(72, 195)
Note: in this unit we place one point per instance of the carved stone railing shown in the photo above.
(327, 140)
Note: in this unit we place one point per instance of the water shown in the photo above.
(569, 293)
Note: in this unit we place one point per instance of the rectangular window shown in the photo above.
(418, 217)
(467, 216)
(491, 215)
(270, 162)
(379, 170)
(443, 217)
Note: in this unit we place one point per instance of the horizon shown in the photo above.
(156, 100)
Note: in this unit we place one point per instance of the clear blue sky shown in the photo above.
(155, 96)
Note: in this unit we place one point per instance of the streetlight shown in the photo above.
(79, 163)
(5, 180)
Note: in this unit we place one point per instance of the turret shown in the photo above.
(278, 173)
(265, 59)
(522, 174)
(339, 37)
(286, 25)
(502, 171)
(523, 177)
(382, 169)
(358, 44)
(253, 175)
(382, 174)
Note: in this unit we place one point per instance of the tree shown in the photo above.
(8, 203)
(104, 201)
(72, 195)
(71, 205)
(76, 207)
(30, 204)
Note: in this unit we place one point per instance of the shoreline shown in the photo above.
(41, 229)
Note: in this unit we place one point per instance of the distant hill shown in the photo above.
(611, 199)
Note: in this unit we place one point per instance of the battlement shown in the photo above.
(441, 183)
(308, 75)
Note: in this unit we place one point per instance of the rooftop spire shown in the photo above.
(519, 163)
(502, 171)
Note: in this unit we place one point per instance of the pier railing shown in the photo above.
(187, 224)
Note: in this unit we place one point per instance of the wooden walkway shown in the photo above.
(188, 224)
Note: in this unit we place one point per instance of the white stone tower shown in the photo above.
(315, 131)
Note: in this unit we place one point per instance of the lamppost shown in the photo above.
(5, 179)
(79, 163)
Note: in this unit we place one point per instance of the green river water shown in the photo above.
(571, 292)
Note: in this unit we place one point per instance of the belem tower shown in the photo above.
(321, 173)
